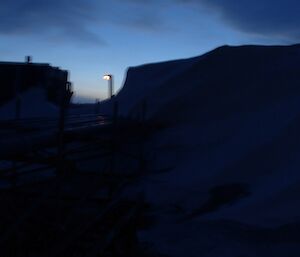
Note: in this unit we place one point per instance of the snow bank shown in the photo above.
(33, 103)
(232, 120)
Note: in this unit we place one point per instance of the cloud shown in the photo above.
(146, 15)
(64, 18)
(278, 18)
(73, 19)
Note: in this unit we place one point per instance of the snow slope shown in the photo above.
(232, 120)
(33, 104)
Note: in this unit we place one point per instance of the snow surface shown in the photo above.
(33, 104)
(232, 122)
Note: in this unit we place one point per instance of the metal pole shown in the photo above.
(110, 79)
(111, 86)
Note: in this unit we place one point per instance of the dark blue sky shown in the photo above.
(93, 37)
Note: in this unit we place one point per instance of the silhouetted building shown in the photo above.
(17, 77)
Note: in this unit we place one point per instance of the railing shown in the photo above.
(75, 211)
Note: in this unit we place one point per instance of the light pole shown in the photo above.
(109, 78)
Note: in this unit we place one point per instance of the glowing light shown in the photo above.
(107, 77)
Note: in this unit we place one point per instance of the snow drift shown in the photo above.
(232, 141)
(33, 104)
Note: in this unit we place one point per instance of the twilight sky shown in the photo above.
(93, 37)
